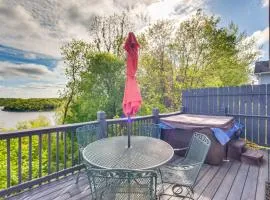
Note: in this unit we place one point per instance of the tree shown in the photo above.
(207, 55)
(40, 121)
(101, 87)
(155, 65)
(195, 53)
(109, 32)
(74, 54)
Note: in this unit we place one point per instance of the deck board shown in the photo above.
(262, 177)
(227, 182)
(200, 187)
(204, 170)
(250, 186)
(230, 181)
(239, 182)
(47, 189)
(213, 186)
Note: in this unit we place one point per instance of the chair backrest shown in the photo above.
(122, 184)
(198, 148)
(150, 130)
(87, 134)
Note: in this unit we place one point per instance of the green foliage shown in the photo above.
(14, 152)
(41, 121)
(32, 104)
(74, 54)
(100, 87)
(196, 53)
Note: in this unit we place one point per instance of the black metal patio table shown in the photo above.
(113, 153)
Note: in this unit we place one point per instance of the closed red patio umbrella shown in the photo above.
(132, 97)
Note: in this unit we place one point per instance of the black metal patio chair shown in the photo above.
(184, 175)
(120, 184)
(86, 135)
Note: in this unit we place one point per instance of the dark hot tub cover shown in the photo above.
(190, 121)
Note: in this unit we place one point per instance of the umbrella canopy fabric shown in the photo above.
(132, 97)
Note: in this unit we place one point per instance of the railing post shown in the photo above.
(101, 118)
(182, 109)
(155, 113)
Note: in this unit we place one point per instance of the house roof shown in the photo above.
(262, 67)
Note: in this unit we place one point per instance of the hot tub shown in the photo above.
(186, 124)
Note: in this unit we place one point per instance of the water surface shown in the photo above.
(10, 119)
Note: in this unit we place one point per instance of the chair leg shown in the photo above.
(162, 185)
(78, 176)
(184, 192)
(179, 191)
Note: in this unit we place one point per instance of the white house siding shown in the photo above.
(264, 78)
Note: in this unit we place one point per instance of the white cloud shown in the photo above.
(29, 92)
(59, 70)
(261, 36)
(38, 80)
(174, 9)
(265, 3)
(43, 26)
(8, 69)
(30, 56)
(11, 70)
(39, 85)
(21, 30)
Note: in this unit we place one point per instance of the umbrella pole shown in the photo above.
(129, 127)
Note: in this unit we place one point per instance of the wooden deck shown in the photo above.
(230, 181)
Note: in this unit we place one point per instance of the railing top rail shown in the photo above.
(38, 131)
(112, 121)
(67, 127)
(170, 114)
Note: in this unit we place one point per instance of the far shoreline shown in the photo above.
(30, 105)
(2, 108)
(27, 111)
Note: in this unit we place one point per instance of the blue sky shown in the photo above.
(19, 56)
(32, 32)
(249, 15)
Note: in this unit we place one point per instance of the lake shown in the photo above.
(10, 119)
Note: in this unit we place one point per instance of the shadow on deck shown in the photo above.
(231, 181)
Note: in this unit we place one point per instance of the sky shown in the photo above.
(32, 32)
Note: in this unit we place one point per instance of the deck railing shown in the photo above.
(33, 157)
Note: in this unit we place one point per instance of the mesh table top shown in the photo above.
(112, 153)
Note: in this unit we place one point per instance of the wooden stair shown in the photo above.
(252, 156)
(237, 150)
